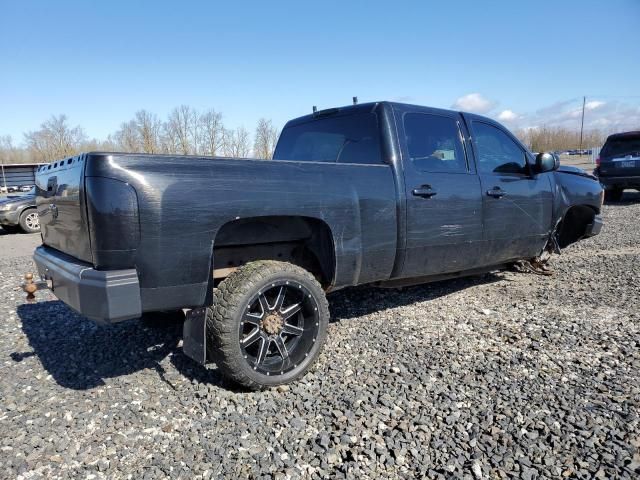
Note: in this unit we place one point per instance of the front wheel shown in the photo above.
(29, 221)
(268, 324)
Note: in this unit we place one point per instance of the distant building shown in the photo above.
(18, 174)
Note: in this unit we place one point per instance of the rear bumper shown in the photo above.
(619, 182)
(103, 296)
(594, 227)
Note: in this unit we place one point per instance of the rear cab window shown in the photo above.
(619, 147)
(350, 138)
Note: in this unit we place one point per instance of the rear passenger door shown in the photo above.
(517, 204)
(442, 190)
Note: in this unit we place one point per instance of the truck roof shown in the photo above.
(350, 109)
(623, 135)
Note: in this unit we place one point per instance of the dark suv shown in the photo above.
(619, 164)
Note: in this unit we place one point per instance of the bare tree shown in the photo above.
(546, 139)
(55, 139)
(237, 143)
(182, 130)
(127, 138)
(110, 144)
(212, 133)
(169, 139)
(265, 139)
(148, 127)
(7, 149)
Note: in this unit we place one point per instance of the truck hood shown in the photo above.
(575, 171)
(17, 200)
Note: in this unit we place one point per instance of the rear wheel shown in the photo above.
(29, 221)
(268, 324)
(614, 195)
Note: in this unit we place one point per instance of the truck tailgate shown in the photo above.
(622, 166)
(60, 203)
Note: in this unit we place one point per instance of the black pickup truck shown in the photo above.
(380, 193)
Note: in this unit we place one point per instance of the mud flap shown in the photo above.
(194, 335)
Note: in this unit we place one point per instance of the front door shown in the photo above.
(444, 203)
(517, 205)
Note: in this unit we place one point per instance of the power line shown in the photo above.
(614, 96)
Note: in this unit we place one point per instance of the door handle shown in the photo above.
(496, 192)
(425, 191)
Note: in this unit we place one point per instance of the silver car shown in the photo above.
(18, 212)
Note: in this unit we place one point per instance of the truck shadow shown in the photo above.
(358, 301)
(80, 355)
(627, 197)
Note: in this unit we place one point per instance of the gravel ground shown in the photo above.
(17, 244)
(507, 375)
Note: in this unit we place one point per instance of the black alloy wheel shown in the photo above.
(279, 328)
(267, 324)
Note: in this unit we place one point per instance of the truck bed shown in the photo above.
(167, 229)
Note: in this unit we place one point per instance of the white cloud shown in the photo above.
(610, 116)
(507, 116)
(593, 104)
(475, 103)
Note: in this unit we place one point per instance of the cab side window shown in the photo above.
(433, 142)
(497, 152)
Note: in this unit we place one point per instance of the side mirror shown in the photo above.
(546, 162)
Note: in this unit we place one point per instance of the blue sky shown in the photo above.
(525, 62)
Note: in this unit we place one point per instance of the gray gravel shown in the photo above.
(504, 376)
(17, 244)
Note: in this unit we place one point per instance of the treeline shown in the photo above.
(185, 131)
(550, 139)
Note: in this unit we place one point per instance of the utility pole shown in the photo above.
(4, 179)
(584, 100)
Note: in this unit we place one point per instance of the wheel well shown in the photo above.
(573, 225)
(303, 241)
(25, 209)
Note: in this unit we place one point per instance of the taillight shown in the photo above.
(114, 226)
(598, 161)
